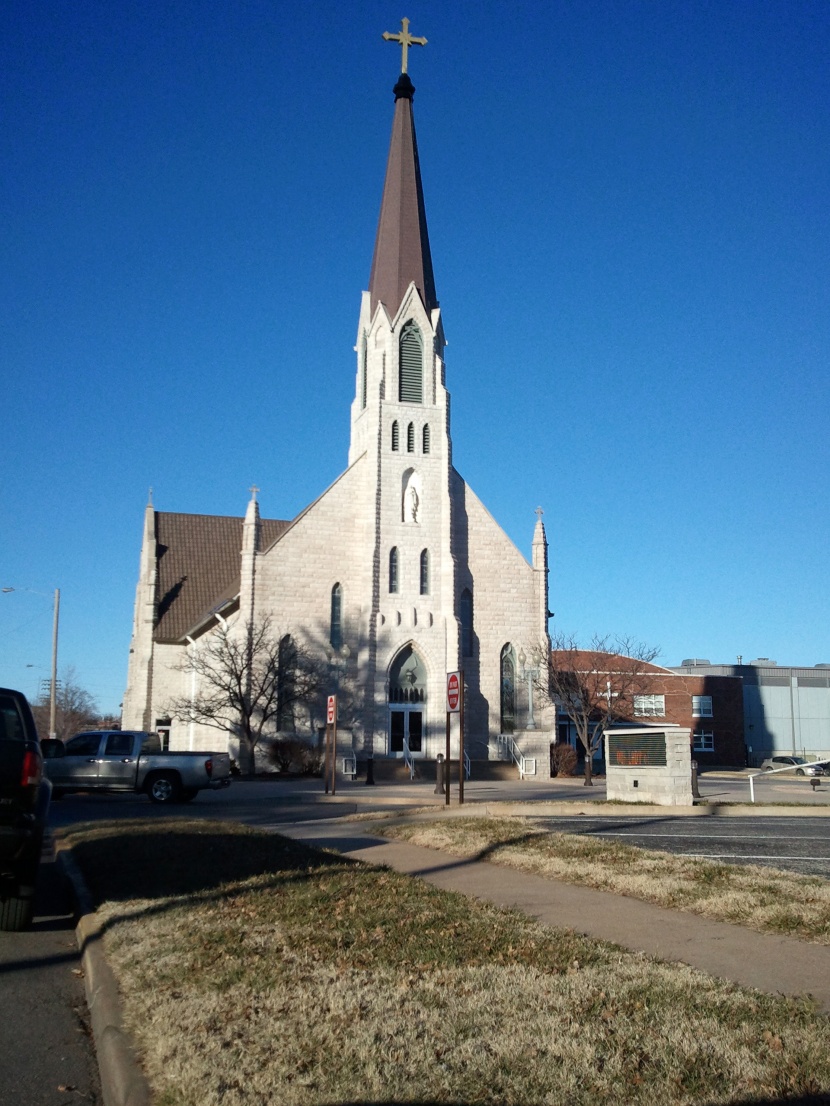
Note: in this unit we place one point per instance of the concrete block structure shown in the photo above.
(649, 764)
(396, 575)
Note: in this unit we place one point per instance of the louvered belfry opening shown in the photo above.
(411, 373)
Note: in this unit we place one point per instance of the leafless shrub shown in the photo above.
(563, 759)
(291, 754)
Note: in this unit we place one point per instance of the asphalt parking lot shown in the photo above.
(771, 836)
(799, 844)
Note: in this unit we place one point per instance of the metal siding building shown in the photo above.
(786, 709)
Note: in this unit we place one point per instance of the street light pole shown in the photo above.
(53, 694)
(53, 689)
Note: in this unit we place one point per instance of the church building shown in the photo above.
(395, 576)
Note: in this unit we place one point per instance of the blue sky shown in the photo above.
(628, 211)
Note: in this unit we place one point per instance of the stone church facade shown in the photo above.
(395, 576)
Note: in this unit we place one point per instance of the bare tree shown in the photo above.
(595, 687)
(75, 708)
(250, 680)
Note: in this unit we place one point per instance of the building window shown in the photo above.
(702, 706)
(425, 438)
(704, 741)
(411, 371)
(287, 663)
(507, 721)
(465, 612)
(649, 706)
(407, 682)
(336, 625)
(393, 569)
(410, 439)
(396, 438)
(162, 728)
(424, 572)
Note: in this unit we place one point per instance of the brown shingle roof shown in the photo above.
(198, 565)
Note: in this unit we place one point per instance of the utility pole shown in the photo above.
(53, 692)
(53, 684)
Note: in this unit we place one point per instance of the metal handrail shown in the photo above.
(526, 765)
(765, 772)
(408, 759)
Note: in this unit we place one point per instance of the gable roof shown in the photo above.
(589, 660)
(198, 564)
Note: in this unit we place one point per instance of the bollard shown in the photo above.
(370, 770)
(439, 774)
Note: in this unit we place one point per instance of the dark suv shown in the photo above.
(24, 806)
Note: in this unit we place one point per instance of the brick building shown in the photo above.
(397, 573)
(710, 705)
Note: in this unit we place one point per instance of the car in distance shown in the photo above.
(24, 807)
(132, 760)
(798, 764)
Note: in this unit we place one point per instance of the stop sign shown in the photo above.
(453, 692)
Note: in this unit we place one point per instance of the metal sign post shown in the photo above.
(461, 742)
(330, 766)
(454, 699)
(447, 765)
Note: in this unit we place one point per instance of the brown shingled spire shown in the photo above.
(402, 243)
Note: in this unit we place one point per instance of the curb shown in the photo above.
(123, 1082)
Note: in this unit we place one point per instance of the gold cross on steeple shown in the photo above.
(406, 40)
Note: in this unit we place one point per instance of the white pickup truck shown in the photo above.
(131, 760)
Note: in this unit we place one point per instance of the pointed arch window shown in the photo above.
(465, 612)
(424, 572)
(407, 682)
(410, 438)
(425, 438)
(507, 713)
(286, 683)
(411, 370)
(396, 437)
(393, 570)
(336, 623)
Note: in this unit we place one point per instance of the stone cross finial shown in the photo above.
(406, 40)
(539, 513)
(253, 490)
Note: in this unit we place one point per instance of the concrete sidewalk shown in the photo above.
(768, 963)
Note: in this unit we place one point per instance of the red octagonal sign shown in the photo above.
(453, 692)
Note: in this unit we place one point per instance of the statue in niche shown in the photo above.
(412, 503)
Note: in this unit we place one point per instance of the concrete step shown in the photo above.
(391, 768)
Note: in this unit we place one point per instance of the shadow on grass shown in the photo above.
(187, 863)
(543, 829)
(125, 860)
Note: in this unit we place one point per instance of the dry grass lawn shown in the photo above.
(750, 895)
(257, 971)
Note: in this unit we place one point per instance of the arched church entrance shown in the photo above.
(407, 697)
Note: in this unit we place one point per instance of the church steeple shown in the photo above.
(402, 252)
